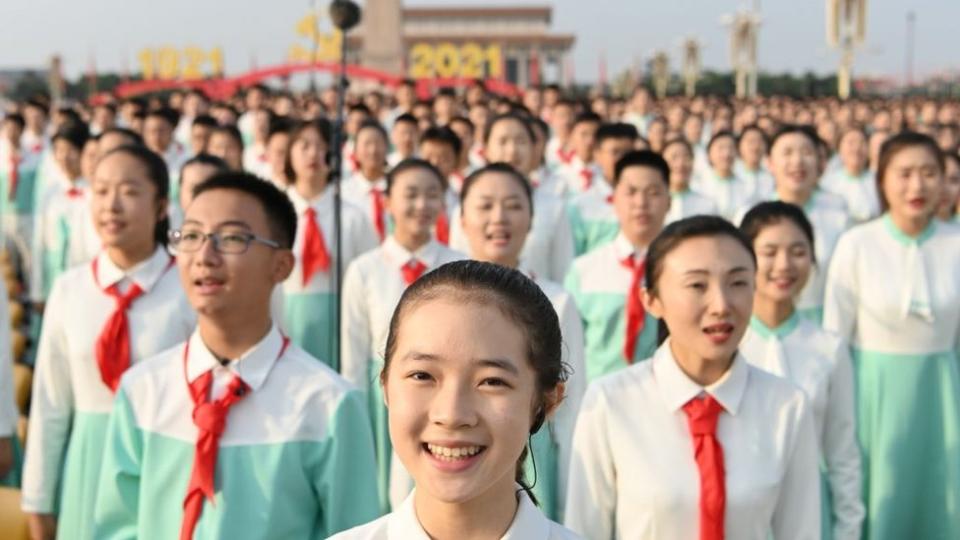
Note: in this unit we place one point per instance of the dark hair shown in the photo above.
(166, 114)
(279, 124)
(463, 120)
(157, 174)
(618, 130)
(502, 168)
(15, 118)
(678, 140)
(508, 117)
(406, 118)
(589, 117)
(281, 217)
(371, 123)
(773, 212)
(893, 146)
(677, 233)
(442, 135)
(359, 107)
(519, 299)
(748, 129)
(410, 164)
(231, 132)
(797, 129)
(642, 158)
(76, 135)
(720, 135)
(129, 134)
(203, 159)
(204, 120)
(322, 126)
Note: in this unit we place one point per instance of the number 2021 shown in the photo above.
(448, 60)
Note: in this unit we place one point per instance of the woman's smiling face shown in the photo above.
(461, 396)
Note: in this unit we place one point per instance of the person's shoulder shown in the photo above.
(300, 368)
(559, 532)
(776, 393)
(154, 372)
(448, 255)
(601, 253)
(617, 384)
(375, 530)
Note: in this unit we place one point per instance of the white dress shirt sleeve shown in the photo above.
(355, 332)
(51, 411)
(8, 405)
(566, 416)
(840, 296)
(797, 513)
(591, 487)
(840, 449)
(561, 246)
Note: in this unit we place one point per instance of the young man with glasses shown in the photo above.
(278, 445)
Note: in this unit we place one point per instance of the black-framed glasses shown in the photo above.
(232, 243)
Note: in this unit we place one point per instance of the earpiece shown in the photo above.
(538, 421)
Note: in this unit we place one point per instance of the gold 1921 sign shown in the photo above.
(469, 61)
(168, 63)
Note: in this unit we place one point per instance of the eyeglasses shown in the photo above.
(232, 243)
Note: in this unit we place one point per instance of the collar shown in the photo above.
(528, 523)
(253, 366)
(368, 186)
(785, 329)
(300, 204)
(677, 389)
(623, 248)
(905, 239)
(429, 253)
(145, 274)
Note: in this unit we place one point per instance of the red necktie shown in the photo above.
(210, 417)
(412, 271)
(702, 415)
(586, 178)
(443, 229)
(113, 345)
(376, 201)
(314, 257)
(353, 161)
(635, 311)
(74, 192)
(14, 176)
(565, 156)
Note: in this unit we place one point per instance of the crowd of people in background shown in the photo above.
(733, 318)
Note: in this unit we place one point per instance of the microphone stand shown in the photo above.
(345, 15)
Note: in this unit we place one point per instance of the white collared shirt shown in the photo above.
(689, 203)
(67, 379)
(357, 237)
(255, 161)
(729, 194)
(356, 190)
(529, 523)
(372, 288)
(634, 475)
(819, 363)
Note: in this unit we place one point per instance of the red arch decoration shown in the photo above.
(223, 88)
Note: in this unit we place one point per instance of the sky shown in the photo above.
(792, 36)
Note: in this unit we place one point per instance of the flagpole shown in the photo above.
(345, 15)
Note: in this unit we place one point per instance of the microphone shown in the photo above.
(345, 14)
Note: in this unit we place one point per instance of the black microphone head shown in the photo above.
(345, 14)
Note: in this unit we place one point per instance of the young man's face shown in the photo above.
(581, 139)
(609, 151)
(67, 157)
(439, 155)
(230, 286)
(157, 134)
(404, 137)
(199, 137)
(12, 132)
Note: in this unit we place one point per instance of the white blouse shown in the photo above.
(529, 523)
(819, 363)
(633, 473)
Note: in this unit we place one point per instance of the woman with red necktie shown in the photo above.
(101, 318)
(374, 282)
(309, 293)
(695, 442)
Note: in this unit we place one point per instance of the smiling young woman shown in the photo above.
(472, 370)
(132, 307)
(695, 442)
(893, 294)
(787, 345)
